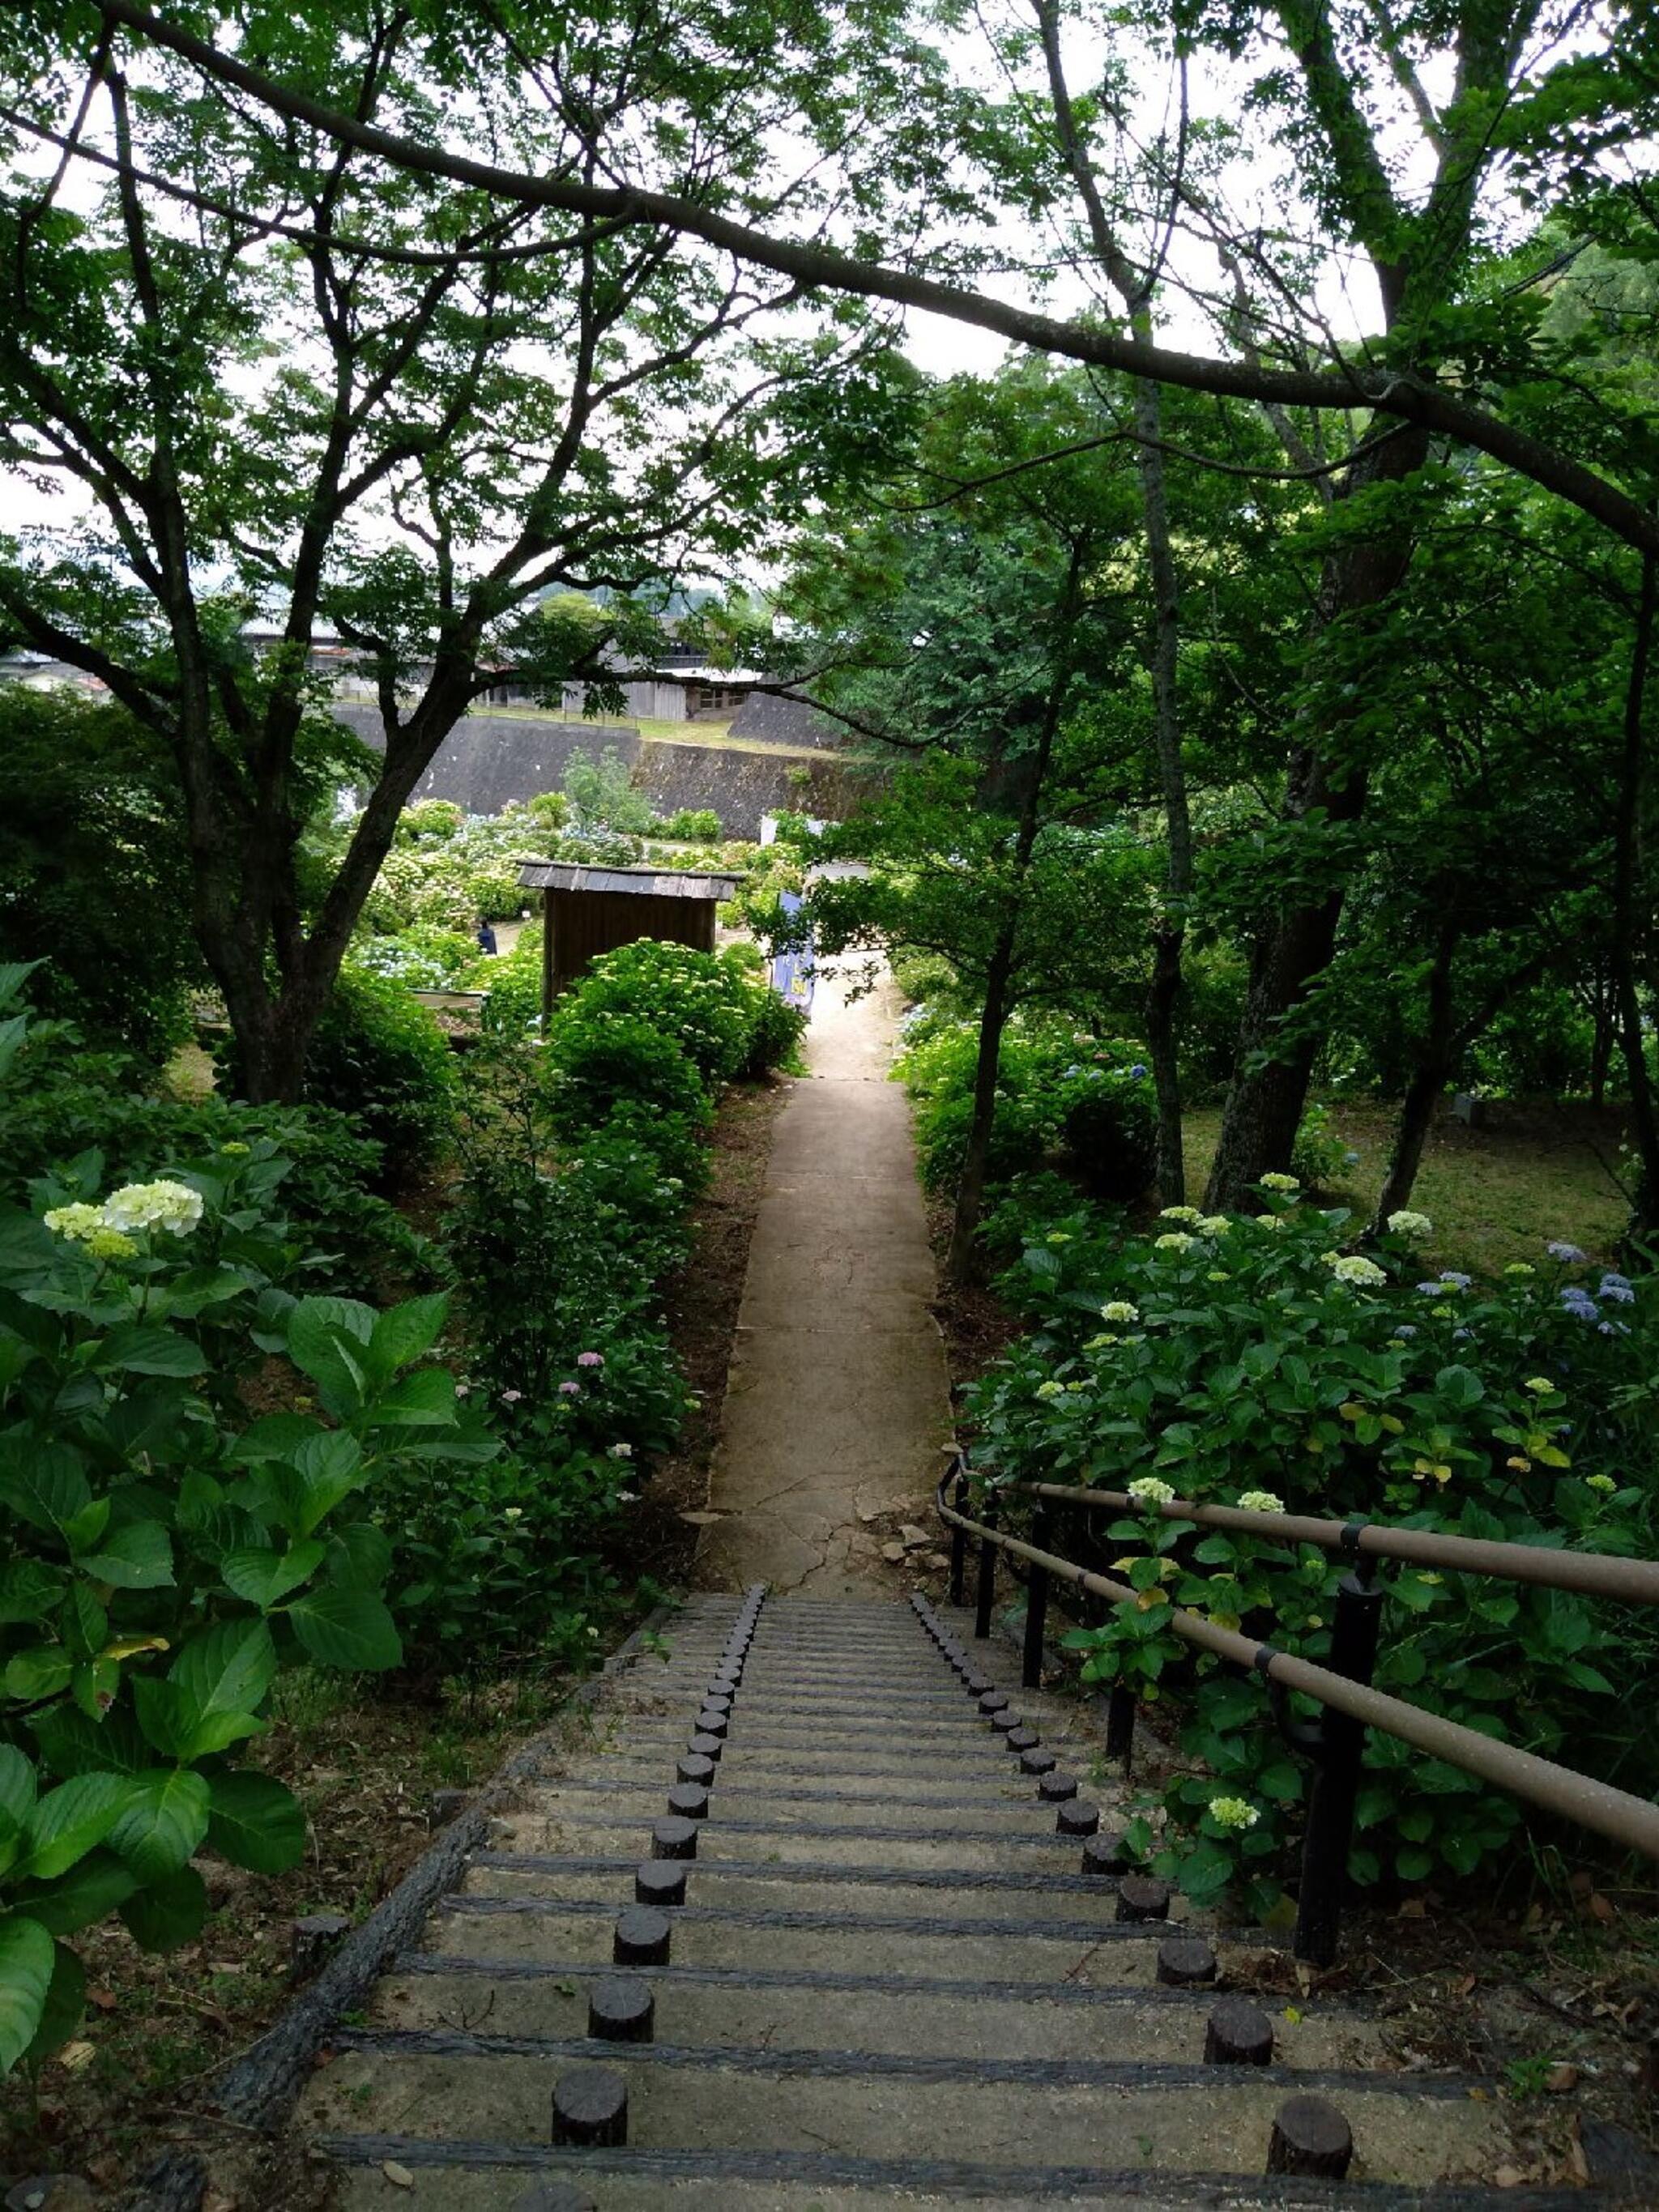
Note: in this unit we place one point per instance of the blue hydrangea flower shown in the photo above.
(1139, 1069)
(1456, 1332)
(1570, 1252)
(1611, 1328)
(1404, 1330)
(1451, 1275)
(1430, 1290)
(1618, 1289)
(1578, 1302)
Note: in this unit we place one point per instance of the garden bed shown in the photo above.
(702, 1302)
(1546, 1975)
(367, 1767)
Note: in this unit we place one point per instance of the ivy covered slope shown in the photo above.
(163, 1557)
(1250, 1360)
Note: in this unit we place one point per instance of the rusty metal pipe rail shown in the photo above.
(1592, 1574)
(1630, 1822)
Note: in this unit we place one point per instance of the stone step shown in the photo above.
(967, 1737)
(499, 2176)
(981, 1763)
(893, 1781)
(1086, 2114)
(759, 1886)
(566, 1830)
(1127, 2018)
(822, 1935)
(737, 1802)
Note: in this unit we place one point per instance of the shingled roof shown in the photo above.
(647, 883)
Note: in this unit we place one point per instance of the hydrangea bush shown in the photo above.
(1060, 1092)
(1253, 1360)
(163, 1558)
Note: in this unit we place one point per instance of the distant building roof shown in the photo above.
(647, 883)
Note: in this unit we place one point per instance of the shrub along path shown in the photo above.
(837, 1402)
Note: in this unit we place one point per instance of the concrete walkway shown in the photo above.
(838, 1402)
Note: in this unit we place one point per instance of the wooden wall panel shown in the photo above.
(580, 926)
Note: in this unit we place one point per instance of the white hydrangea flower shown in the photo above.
(1119, 1309)
(1274, 1181)
(1406, 1224)
(173, 1206)
(1151, 1490)
(1180, 1213)
(1233, 1813)
(1175, 1240)
(1260, 1501)
(1356, 1268)
(77, 1223)
(1213, 1224)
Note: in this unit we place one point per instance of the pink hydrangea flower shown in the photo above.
(569, 1389)
(590, 1359)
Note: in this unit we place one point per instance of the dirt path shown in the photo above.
(838, 1401)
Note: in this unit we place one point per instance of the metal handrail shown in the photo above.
(1630, 1821)
(1592, 1574)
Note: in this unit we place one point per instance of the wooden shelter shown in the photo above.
(590, 910)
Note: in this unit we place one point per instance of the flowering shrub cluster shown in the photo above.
(162, 1557)
(1251, 1361)
(580, 1161)
(447, 869)
(1085, 1101)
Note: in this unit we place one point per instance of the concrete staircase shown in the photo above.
(818, 1917)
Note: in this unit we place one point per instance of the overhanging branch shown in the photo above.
(822, 268)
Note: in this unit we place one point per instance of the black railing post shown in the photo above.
(1036, 1607)
(958, 1541)
(1340, 1741)
(985, 1594)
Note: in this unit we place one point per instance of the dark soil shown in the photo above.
(977, 1326)
(701, 1304)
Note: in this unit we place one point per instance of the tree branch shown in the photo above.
(820, 268)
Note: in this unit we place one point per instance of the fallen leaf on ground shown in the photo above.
(399, 2176)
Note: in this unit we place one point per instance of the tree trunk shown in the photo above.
(248, 906)
(962, 1260)
(1602, 1038)
(1427, 1082)
(1626, 868)
(1270, 1081)
(1169, 938)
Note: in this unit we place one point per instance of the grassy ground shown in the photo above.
(1536, 1171)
